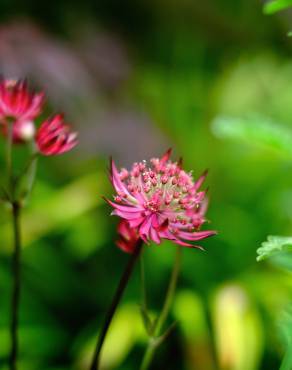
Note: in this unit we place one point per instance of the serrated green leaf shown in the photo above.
(255, 130)
(276, 5)
(274, 245)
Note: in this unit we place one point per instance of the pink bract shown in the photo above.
(128, 237)
(55, 136)
(160, 201)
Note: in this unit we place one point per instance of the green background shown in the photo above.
(210, 79)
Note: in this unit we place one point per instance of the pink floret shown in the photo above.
(55, 136)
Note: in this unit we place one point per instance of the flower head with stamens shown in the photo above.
(19, 107)
(161, 201)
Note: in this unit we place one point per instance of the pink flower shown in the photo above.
(128, 237)
(160, 201)
(55, 136)
(17, 102)
(19, 107)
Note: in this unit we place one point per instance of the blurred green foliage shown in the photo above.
(214, 80)
(276, 5)
(273, 246)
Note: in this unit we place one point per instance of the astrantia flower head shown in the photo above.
(161, 201)
(19, 107)
(55, 136)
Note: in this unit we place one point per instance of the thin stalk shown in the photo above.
(148, 355)
(9, 158)
(153, 343)
(114, 304)
(28, 172)
(16, 286)
(28, 165)
(143, 283)
(11, 196)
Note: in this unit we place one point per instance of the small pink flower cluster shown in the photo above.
(19, 107)
(160, 201)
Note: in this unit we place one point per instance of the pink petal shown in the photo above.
(123, 208)
(166, 156)
(196, 235)
(116, 181)
(200, 181)
(154, 236)
(136, 222)
(145, 227)
(126, 215)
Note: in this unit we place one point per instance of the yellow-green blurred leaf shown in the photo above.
(238, 329)
(126, 329)
(59, 208)
(255, 130)
(189, 311)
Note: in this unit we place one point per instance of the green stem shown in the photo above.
(9, 159)
(143, 284)
(114, 304)
(11, 195)
(29, 171)
(16, 286)
(148, 356)
(28, 165)
(152, 344)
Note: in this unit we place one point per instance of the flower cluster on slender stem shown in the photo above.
(156, 201)
(19, 109)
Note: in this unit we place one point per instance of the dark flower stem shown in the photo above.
(11, 197)
(16, 286)
(115, 302)
(153, 343)
(16, 256)
(143, 283)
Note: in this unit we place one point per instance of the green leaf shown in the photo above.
(126, 330)
(57, 209)
(274, 245)
(235, 315)
(287, 360)
(27, 177)
(255, 130)
(276, 5)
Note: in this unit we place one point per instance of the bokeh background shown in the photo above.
(211, 79)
